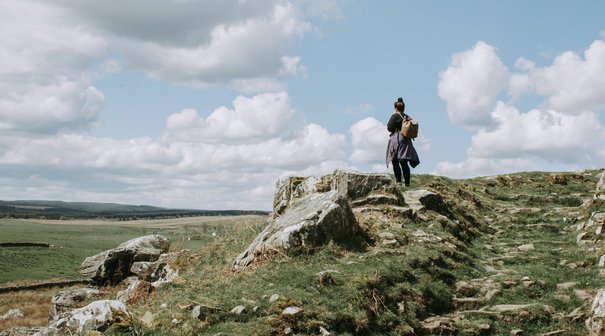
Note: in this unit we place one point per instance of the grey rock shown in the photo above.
(526, 248)
(237, 310)
(360, 189)
(136, 289)
(156, 272)
(112, 266)
(291, 310)
(274, 298)
(66, 300)
(310, 222)
(200, 312)
(30, 331)
(11, 314)
(596, 320)
(98, 315)
(422, 199)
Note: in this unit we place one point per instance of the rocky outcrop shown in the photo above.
(309, 222)
(112, 266)
(358, 188)
(98, 315)
(66, 300)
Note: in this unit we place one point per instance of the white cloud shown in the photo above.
(574, 84)
(564, 128)
(550, 135)
(260, 117)
(369, 139)
(214, 162)
(471, 84)
(50, 50)
(44, 59)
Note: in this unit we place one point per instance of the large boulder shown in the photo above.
(98, 315)
(360, 189)
(112, 266)
(66, 300)
(309, 222)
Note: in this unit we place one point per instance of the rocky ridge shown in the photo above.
(351, 253)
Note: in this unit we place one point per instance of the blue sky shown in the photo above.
(205, 103)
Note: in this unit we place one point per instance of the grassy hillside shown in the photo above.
(79, 210)
(480, 261)
(72, 241)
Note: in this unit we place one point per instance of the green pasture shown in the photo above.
(71, 244)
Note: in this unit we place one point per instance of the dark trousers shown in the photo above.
(398, 167)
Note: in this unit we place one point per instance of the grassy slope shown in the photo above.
(73, 243)
(387, 290)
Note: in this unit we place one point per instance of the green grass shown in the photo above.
(70, 245)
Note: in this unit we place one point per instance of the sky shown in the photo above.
(204, 104)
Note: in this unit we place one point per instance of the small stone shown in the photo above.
(526, 248)
(148, 319)
(176, 321)
(291, 310)
(528, 283)
(516, 332)
(163, 306)
(324, 332)
(492, 294)
(12, 313)
(390, 242)
(325, 278)
(566, 285)
(525, 278)
(238, 309)
(274, 298)
(386, 235)
(255, 309)
(287, 330)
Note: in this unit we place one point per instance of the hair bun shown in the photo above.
(400, 100)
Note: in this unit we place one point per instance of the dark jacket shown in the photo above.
(395, 122)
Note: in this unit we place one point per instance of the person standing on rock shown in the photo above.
(400, 150)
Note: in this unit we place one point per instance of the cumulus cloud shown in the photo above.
(573, 83)
(51, 52)
(564, 128)
(234, 151)
(262, 116)
(201, 42)
(369, 138)
(547, 134)
(45, 84)
(471, 84)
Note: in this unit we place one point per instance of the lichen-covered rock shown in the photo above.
(137, 289)
(98, 315)
(66, 300)
(596, 320)
(360, 189)
(423, 199)
(310, 222)
(112, 266)
(356, 185)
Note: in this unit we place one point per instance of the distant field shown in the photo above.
(73, 240)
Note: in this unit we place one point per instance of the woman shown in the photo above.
(400, 150)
